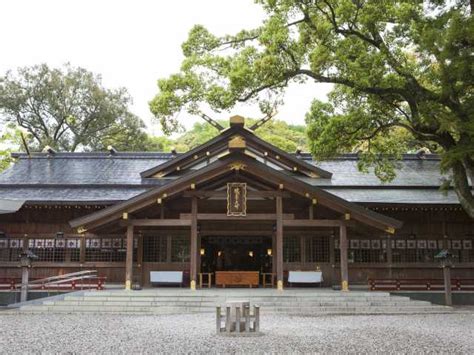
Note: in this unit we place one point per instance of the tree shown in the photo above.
(68, 109)
(11, 139)
(279, 133)
(398, 65)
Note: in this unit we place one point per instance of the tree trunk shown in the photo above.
(462, 188)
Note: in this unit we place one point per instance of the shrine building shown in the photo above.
(235, 207)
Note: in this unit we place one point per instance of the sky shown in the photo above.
(130, 43)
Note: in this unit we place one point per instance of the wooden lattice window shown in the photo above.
(10, 249)
(108, 249)
(155, 248)
(180, 248)
(48, 249)
(291, 249)
(415, 250)
(317, 249)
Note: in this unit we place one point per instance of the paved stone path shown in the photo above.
(451, 333)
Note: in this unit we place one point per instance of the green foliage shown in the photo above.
(158, 144)
(279, 133)
(402, 69)
(10, 140)
(68, 109)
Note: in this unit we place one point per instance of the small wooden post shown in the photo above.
(344, 262)
(247, 318)
(218, 319)
(129, 259)
(24, 283)
(447, 285)
(256, 325)
(228, 322)
(237, 319)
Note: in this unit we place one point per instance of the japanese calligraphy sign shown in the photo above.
(236, 199)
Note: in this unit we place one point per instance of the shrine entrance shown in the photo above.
(236, 260)
(236, 253)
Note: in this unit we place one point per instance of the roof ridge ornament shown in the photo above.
(237, 120)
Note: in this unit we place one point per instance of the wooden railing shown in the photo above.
(81, 280)
(457, 284)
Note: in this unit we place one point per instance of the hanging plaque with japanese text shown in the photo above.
(236, 199)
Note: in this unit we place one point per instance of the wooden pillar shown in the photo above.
(24, 283)
(447, 285)
(140, 258)
(129, 259)
(344, 264)
(194, 242)
(389, 257)
(332, 257)
(82, 250)
(279, 242)
(274, 253)
(198, 255)
(25, 243)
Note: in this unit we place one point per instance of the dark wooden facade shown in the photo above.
(442, 223)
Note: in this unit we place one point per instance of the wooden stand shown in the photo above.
(209, 279)
(265, 277)
(237, 278)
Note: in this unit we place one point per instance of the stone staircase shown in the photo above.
(182, 301)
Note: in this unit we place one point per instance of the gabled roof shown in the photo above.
(111, 177)
(220, 144)
(236, 160)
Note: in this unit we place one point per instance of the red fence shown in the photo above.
(419, 284)
(82, 280)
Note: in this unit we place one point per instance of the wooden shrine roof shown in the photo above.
(111, 177)
(236, 161)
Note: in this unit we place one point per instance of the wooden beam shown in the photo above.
(223, 194)
(279, 242)
(313, 223)
(194, 242)
(224, 217)
(129, 259)
(237, 233)
(344, 262)
(157, 223)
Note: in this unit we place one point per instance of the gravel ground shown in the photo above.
(453, 333)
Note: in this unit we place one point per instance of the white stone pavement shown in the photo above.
(56, 333)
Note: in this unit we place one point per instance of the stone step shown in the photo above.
(139, 294)
(221, 301)
(180, 310)
(271, 301)
(252, 299)
(184, 306)
(315, 303)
